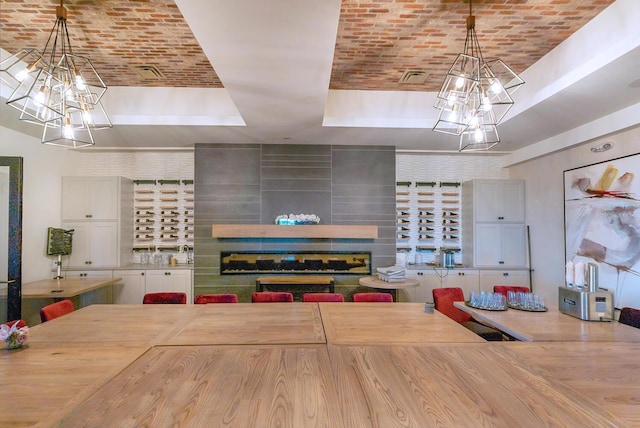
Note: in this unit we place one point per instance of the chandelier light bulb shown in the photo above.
(68, 130)
(80, 84)
(495, 86)
(478, 135)
(459, 82)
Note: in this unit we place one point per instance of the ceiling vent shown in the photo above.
(414, 76)
(148, 72)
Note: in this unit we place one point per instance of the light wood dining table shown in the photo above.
(455, 385)
(62, 288)
(352, 323)
(552, 325)
(171, 365)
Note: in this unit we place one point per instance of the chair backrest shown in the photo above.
(203, 299)
(503, 289)
(443, 299)
(56, 310)
(630, 316)
(271, 297)
(172, 298)
(373, 297)
(20, 323)
(322, 297)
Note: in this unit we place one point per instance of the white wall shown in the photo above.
(545, 203)
(43, 167)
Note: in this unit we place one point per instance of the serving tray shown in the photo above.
(519, 308)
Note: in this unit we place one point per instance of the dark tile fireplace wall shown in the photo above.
(254, 183)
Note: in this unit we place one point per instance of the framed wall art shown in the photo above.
(602, 224)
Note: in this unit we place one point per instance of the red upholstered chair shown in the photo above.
(630, 316)
(56, 310)
(203, 299)
(503, 289)
(322, 297)
(373, 297)
(443, 299)
(172, 298)
(271, 297)
(10, 324)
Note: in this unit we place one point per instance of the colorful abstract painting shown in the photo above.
(602, 224)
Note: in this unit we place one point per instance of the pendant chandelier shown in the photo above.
(57, 89)
(475, 95)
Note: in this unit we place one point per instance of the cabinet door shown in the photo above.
(169, 280)
(429, 279)
(489, 278)
(485, 199)
(468, 280)
(498, 245)
(132, 287)
(89, 198)
(94, 244)
(513, 245)
(513, 201)
(488, 242)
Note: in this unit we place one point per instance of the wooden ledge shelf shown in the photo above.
(325, 231)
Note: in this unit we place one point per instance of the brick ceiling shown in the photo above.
(376, 42)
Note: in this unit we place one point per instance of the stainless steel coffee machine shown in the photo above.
(588, 302)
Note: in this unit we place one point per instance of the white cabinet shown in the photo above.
(169, 280)
(489, 278)
(430, 279)
(90, 198)
(493, 228)
(100, 211)
(498, 200)
(132, 287)
(500, 245)
(93, 244)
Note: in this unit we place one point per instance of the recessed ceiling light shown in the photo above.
(602, 147)
(635, 83)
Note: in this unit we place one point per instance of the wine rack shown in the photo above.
(163, 215)
(428, 218)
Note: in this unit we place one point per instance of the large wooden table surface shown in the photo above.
(169, 365)
(456, 385)
(552, 325)
(384, 323)
(62, 288)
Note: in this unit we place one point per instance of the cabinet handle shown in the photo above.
(167, 273)
(505, 274)
(501, 262)
(500, 218)
(88, 216)
(141, 273)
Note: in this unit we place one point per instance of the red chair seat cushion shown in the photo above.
(172, 298)
(203, 299)
(56, 310)
(443, 299)
(271, 297)
(322, 297)
(373, 297)
(630, 316)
